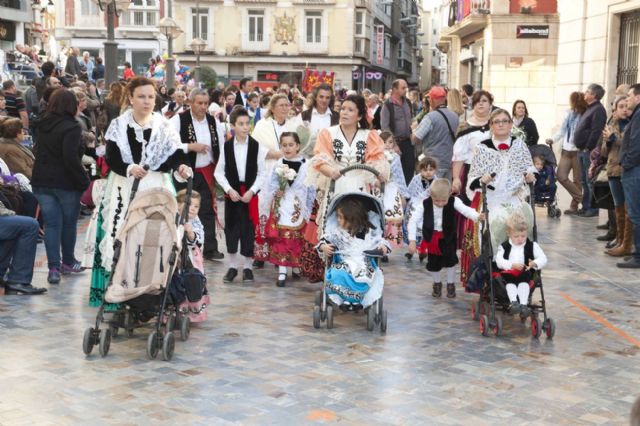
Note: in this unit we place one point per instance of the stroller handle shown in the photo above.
(364, 167)
(136, 184)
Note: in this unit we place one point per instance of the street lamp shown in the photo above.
(113, 8)
(171, 30)
(198, 45)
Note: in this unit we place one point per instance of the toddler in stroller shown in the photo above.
(352, 243)
(545, 187)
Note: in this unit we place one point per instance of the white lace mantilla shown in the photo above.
(163, 142)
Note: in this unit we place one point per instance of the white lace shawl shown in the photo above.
(163, 142)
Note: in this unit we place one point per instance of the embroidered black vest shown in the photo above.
(188, 135)
(528, 251)
(231, 168)
(448, 220)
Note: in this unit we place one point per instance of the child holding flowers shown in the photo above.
(290, 209)
(394, 194)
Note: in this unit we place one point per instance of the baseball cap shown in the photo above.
(437, 92)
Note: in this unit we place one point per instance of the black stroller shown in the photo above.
(324, 307)
(493, 294)
(145, 257)
(545, 188)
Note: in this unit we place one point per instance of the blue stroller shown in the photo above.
(545, 187)
(326, 300)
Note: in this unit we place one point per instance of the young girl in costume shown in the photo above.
(418, 190)
(394, 194)
(436, 216)
(290, 209)
(354, 279)
(516, 259)
(195, 241)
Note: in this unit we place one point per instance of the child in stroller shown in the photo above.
(517, 258)
(352, 243)
(545, 186)
(353, 279)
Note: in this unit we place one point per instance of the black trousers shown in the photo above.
(238, 228)
(206, 213)
(407, 158)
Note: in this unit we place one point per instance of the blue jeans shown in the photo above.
(617, 192)
(60, 209)
(631, 185)
(18, 241)
(587, 190)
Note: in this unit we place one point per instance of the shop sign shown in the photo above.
(532, 31)
(379, 43)
(7, 30)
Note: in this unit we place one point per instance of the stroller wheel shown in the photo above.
(88, 341)
(168, 345)
(475, 310)
(329, 317)
(484, 325)
(485, 308)
(185, 327)
(380, 309)
(549, 326)
(535, 327)
(105, 342)
(371, 317)
(152, 345)
(497, 328)
(383, 321)
(316, 317)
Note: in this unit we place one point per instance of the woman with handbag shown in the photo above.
(612, 141)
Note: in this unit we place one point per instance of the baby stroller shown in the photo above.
(146, 251)
(493, 294)
(545, 188)
(324, 305)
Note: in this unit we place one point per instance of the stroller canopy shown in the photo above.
(544, 151)
(371, 203)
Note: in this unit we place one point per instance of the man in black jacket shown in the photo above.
(587, 133)
(630, 161)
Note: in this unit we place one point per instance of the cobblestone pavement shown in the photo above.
(258, 360)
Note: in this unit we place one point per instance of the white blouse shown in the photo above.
(417, 216)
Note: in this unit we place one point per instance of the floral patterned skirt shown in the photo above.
(286, 248)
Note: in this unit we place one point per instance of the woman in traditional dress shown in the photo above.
(137, 138)
(343, 145)
(504, 164)
(267, 132)
(470, 134)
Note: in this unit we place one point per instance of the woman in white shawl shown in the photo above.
(504, 164)
(137, 138)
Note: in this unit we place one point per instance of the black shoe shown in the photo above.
(258, 264)
(588, 213)
(611, 244)
(607, 237)
(230, 275)
(515, 308)
(213, 255)
(280, 283)
(633, 263)
(295, 275)
(385, 259)
(422, 257)
(437, 290)
(374, 253)
(451, 290)
(27, 289)
(409, 256)
(247, 275)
